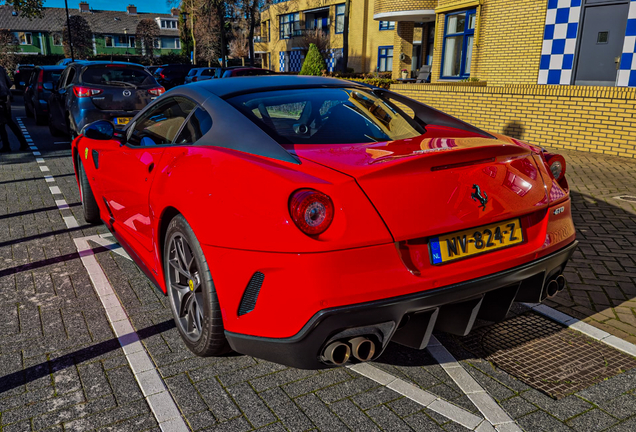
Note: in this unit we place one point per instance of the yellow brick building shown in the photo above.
(284, 26)
(548, 71)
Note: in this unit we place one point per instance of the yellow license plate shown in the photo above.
(475, 241)
(122, 120)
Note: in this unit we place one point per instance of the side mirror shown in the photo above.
(61, 91)
(99, 130)
(47, 86)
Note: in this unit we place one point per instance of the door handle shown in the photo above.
(617, 60)
(151, 167)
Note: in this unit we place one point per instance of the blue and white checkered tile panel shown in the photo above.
(627, 72)
(332, 60)
(559, 41)
(281, 61)
(296, 61)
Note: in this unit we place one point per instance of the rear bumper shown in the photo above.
(87, 116)
(409, 319)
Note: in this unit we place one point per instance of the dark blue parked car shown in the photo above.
(38, 91)
(97, 90)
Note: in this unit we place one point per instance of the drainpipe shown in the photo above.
(42, 47)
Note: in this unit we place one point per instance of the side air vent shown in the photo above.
(248, 302)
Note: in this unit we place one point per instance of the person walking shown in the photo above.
(5, 114)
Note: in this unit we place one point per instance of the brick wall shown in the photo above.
(382, 6)
(507, 49)
(593, 119)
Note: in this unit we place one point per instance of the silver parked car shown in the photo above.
(200, 74)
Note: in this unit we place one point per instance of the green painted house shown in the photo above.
(113, 31)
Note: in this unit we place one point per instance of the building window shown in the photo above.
(290, 25)
(385, 59)
(168, 43)
(24, 38)
(57, 39)
(459, 34)
(168, 24)
(340, 13)
(121, 41)
(387, 25)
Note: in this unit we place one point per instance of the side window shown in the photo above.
(69, 77)
(160, 124)
(60, 83)
(198, 125)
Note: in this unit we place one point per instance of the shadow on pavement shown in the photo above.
(22, 377)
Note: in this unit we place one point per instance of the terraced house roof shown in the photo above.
(101, 22)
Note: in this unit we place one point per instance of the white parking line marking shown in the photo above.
(475, 392)
(55, 190)
(70, 222)
(49, 179)
(112, 245)
(44, 168)
(61, 204)
(33, 147)
(585, 328)
(416, 394)
(152, 386)
(37, 153)
(39, 160)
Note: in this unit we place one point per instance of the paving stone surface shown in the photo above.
(61, 367)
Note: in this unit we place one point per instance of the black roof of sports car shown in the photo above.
(227, 87)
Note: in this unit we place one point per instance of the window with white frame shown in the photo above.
(387, 25)
(290, 25)
(168, 43)
(168, 24)
(340, 14)
(24, 38)
(459, 35)
(385, 59)
(119, 41)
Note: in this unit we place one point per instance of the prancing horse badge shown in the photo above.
(477, 196)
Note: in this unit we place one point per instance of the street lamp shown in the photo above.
(184, 18)
(68, 24)
(127, 42)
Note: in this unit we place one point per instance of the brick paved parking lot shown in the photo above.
(63, 367)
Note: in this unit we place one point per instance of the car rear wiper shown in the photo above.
(120, 82)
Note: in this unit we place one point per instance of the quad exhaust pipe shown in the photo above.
(555, 285)
(340, 351)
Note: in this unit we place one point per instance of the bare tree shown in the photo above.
(8, 47)
(318, 37)
(147, 34)
(206, 30)
(82, 37)
(345, 37)
(239, 46)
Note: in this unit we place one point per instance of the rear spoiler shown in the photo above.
(428, 115)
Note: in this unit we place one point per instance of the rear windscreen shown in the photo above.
(117, 76)
(52, 75)
(327, 116)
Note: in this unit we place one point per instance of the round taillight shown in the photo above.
(311, 211)
(556, 163)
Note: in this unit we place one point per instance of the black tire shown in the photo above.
(91, 210)
(191, 292)
(29, 113)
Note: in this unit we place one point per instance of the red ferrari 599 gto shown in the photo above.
(310, 221)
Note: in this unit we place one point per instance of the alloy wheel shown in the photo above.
(186, 292)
